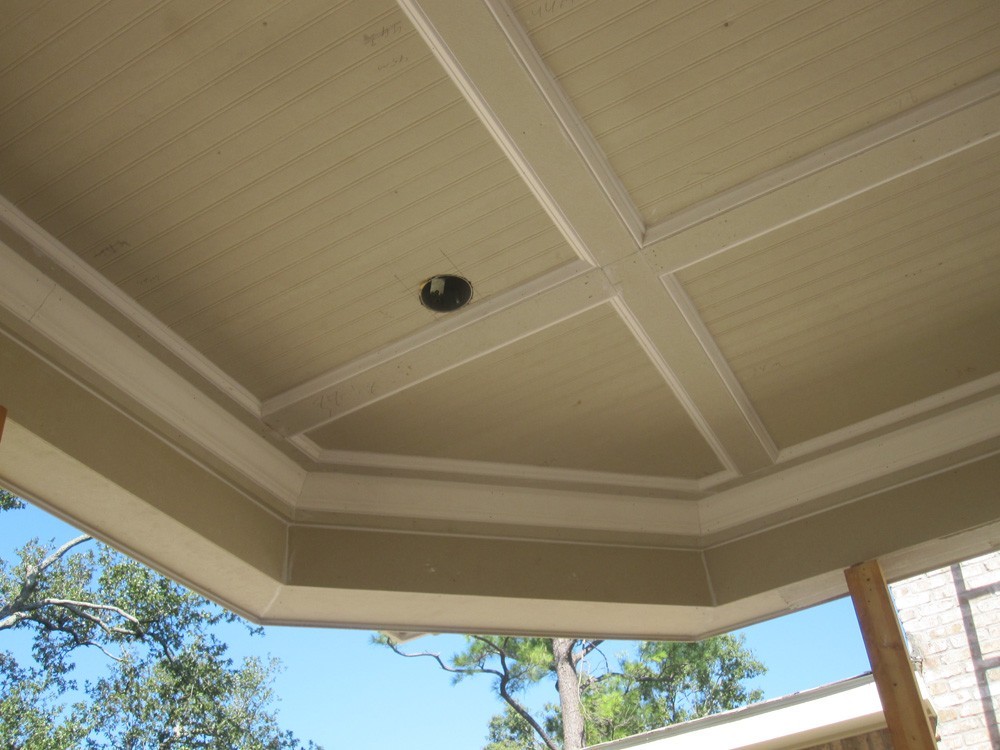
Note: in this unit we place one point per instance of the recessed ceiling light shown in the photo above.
(445, 293)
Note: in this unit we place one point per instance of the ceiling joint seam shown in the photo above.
(709, 584)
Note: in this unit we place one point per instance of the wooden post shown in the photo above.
(894, 677)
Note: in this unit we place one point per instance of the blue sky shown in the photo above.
(343, 692)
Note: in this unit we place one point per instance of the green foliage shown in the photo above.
(667, 683)
(190, 701)
(10, 501)
(509, 731)
(528, 659)
(169, 681)
(650, 686)
(30, 714)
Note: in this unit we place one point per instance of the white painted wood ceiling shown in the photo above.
(706, 238)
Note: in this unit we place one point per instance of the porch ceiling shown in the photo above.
(735, 322)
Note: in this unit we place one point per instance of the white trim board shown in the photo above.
(82, 334)
(59, 254)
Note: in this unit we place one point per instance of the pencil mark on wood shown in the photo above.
(382, 35)
(394, 62)
(112, 249)
(549, 7)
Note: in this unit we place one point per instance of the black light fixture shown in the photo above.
(445, 293)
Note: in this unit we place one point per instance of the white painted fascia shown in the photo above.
(812, 717)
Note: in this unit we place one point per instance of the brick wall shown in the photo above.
(877, 740)
(951, 618)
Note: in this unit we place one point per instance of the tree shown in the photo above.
(600, 698)
(169, 681)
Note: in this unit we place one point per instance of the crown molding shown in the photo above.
(871, 460)
(53, 250)
(87, 339)
(491, 504)
(463, 469)
(887, 420)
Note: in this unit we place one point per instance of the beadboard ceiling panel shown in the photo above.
(688, 99)
(839, 318)
(579, 395)
(273, 181)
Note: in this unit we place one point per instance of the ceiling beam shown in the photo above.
(661, 327)
(444, 346)
(485, 53)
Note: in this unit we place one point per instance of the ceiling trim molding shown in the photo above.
(570, 119)
(728, 510)
(470, 42)
(910, 446)
(689, 311)
(953, 131)
(500, 472)
(915, 410)
(918, 118)
(53, 250)
(475, 502)
(83, 335)
(504, 320)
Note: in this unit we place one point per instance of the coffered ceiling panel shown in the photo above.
(690, 98)
(838, 318)
(580, 395)
(272, 182)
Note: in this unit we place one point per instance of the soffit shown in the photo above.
(689, 99)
